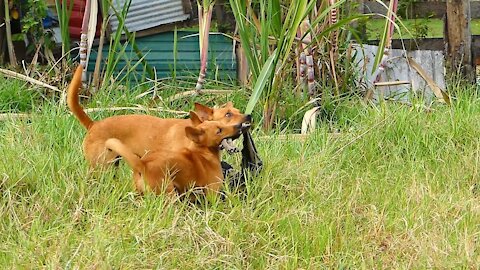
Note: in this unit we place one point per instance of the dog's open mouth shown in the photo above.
(241, 129)
(227, 143)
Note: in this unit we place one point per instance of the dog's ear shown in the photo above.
(194, 134)
(228, 105)
(204, 112)
(196, 120)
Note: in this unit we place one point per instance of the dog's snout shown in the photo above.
(247, 122)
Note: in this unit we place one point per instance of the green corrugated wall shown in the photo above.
(158, 51)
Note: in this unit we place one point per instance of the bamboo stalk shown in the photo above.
(296, 136)
(92, 26)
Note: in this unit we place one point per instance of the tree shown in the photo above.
(459, 39)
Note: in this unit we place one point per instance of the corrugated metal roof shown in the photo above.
(145, 14)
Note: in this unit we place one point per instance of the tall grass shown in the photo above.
(14, 98)
(397, 188)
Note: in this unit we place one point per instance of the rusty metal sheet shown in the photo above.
(397, 69)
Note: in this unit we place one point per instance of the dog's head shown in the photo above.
(226, 114)
(211, 133)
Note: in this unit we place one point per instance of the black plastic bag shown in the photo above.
(251, 164)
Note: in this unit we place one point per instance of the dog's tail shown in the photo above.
(72, 99)
(133, 160)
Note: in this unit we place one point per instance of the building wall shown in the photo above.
(158, 50)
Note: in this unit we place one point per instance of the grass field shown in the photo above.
(397, 188)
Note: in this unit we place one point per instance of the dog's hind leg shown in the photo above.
(213, 189)
(139, 182)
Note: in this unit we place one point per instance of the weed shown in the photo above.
(15, 98)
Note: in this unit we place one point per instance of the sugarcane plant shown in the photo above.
(105, 4)
(273, 32)
(267, 40)
(84, 37)
(205, 9)
(305, 63)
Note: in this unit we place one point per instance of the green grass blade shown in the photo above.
(275, 17)
(264, 31)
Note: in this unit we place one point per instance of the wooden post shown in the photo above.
(458, 38)
(242, 66)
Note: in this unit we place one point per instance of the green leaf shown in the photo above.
(386, 35)
(246, 30)
(263, 77)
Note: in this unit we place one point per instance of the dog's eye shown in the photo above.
(219, 131)
(228, 114)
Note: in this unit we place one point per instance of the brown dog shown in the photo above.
(195, 165)
(140, 133)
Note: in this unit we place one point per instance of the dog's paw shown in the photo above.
(228, 146)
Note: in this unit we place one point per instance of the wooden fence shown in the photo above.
(430, 9)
